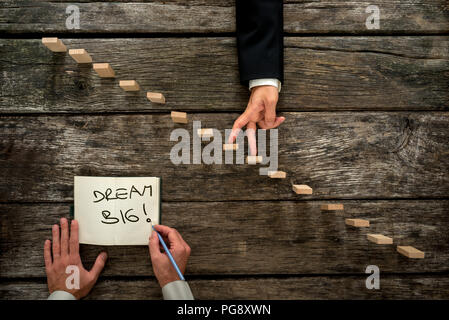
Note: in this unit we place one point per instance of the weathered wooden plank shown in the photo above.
(133, 17)
(350, 287)
(419, 16)
(260, 237)
(331, 73)
(340, 155)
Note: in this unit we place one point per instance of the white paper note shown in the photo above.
(116, 211)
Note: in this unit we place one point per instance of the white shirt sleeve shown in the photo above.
(61, 295)
(177, 290)
(265, 82)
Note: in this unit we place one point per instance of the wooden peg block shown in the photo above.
(332, 207)
(410, 252)
(104, 70)
(302, 189)
(379, 239)
(357, 222)
(253, 159)
(179, 117)
(156, 97)
(54, 44)
(230, 146)
(129, 85)
(277, 174)
(80, 55)
(205, 133)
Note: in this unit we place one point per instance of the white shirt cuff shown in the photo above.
(61, 295)
(265, 82)
(177, 290)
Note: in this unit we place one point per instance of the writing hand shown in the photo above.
(179, 249)
(65, 249)
(261, 110)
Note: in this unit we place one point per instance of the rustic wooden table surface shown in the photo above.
(367, 126)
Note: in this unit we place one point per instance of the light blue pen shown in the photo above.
(169, 254)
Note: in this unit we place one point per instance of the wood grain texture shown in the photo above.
(420, 16)
(351, 287)
(340, 155)
(201, 74)
(268, 249)
(251, 238)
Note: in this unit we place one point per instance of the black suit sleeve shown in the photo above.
(260, 42)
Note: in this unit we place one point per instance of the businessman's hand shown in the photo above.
(261, 110)
(65, 251)
(179, 249)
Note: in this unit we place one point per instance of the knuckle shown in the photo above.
(181, 251)
(270, 119)
(272, 100)
(239, 123)
(252, 107)
(156, 259)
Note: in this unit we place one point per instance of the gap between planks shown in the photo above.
(302, 199)
(207, 277)
(193, 111)
(5, 34)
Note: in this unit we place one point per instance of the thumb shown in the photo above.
(99, 264)
(278, 121)
(276, 124)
